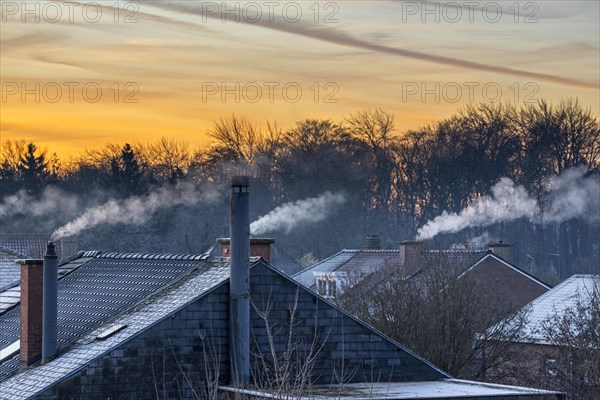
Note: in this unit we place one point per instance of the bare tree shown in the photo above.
(374, 130)
(438, 314)
(286, 371)
(575, 335)
(167, 159)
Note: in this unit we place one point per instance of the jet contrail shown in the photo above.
(342, 38)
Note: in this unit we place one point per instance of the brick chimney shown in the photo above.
(372, 242)
(410, 257)
(259, 247)
(32, 284)
(504, 250)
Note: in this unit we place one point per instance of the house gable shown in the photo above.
(514, 287)
(347, 347)
(182, 350)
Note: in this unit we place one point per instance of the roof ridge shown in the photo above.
(371, 250)
(11, 251)
(304, 270)
(515, 267)
(147, 256)
(473, 251)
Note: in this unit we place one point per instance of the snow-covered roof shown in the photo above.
(555, 302)
(441, 389)
(307, 277)
(362, 262)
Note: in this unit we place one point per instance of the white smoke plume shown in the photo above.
(571, 195)
(480, 241)
(289, 215)
(507, 202)
(133, 210)
(49, 202)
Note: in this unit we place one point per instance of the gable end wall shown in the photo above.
(194, 342)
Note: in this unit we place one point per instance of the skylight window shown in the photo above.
(110, 331)
(10, 350)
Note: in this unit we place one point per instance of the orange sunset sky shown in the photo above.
(89, 73)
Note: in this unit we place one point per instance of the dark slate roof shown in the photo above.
(99, 289)
(207, 274)
(210, 273)
(28, 245)
(10, 294)
(368, 261)
(283, 258)
(33, 245)
(10, 274)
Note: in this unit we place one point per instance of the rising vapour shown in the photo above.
(507, 202)
(570, 195)
(292, 214)
(134, 210)
(50, 201)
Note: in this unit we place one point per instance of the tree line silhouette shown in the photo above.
(394, 181)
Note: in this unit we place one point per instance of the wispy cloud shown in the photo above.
(337, 36)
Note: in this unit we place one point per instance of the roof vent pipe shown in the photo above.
(239, 281)
(50, 305)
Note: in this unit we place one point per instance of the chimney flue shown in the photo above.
(372, 242)
(410, 257)
(239, 281)
(259, 247)
(49, 328)
(504, 250)
(31, 312)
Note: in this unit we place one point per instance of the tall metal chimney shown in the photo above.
(49, 328)
(239, 281)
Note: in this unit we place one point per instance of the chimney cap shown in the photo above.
(252, 240)
(499, 243)
(51, 250)
(30, 261)
(411, 242)
(240, 181)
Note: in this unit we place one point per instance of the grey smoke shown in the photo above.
(292, 214)
(49, 202)
(134, 210)
(573, 196)
(570, 195)
(507, 202)
(480, 241)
